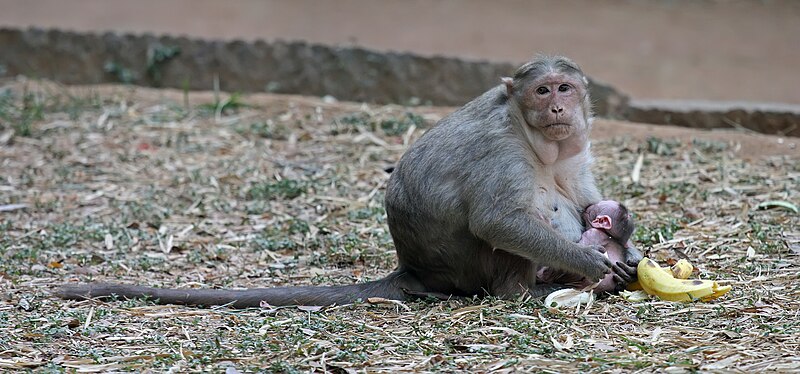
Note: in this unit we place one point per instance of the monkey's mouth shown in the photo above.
(557, 131)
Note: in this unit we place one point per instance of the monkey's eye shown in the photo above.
(564, 88)
(542, 90)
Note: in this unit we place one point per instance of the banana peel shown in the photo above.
(568, 297)
(671, 284)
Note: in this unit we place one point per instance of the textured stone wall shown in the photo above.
(298, 68)
(353, 74)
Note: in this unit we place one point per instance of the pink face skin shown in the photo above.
(554, 104)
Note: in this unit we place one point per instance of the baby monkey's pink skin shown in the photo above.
(614, 251)
(610, 225)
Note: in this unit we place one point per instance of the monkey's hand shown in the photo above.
(623, 275)
(632, 254)
(591, 262)
(626, 272)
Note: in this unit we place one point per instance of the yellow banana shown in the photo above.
(681, 270)
(718, 291)
(662, 283)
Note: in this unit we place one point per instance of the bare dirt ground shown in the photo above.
(714, 50)
(151, 186)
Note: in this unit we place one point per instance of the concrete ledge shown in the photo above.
(297, 68)
(353, 74)
(769, 118)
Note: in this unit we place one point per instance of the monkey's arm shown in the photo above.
(516, 229)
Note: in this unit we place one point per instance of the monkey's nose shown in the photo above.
(557, 109)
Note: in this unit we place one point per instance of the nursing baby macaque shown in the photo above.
(611, 226)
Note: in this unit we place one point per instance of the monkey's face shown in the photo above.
(554, 105)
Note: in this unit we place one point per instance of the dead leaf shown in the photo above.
(232, 370)
(604, 347)
(73, 323)
(109, 242)
(565, 344)
(785, 205)
(310, 308)
(12, 207)
(721, 364)
(380, 300)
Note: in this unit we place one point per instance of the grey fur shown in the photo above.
(461, 203)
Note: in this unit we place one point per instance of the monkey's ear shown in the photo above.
(509, 82)
(602, 222)
(586, 81)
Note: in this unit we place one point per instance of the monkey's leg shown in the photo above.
(521, 280)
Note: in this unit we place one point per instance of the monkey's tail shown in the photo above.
(394, 286)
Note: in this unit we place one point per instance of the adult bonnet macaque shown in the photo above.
(464, 203)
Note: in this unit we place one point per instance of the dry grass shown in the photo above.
(143, 186)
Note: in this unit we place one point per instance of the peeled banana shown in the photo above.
(667, 283)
